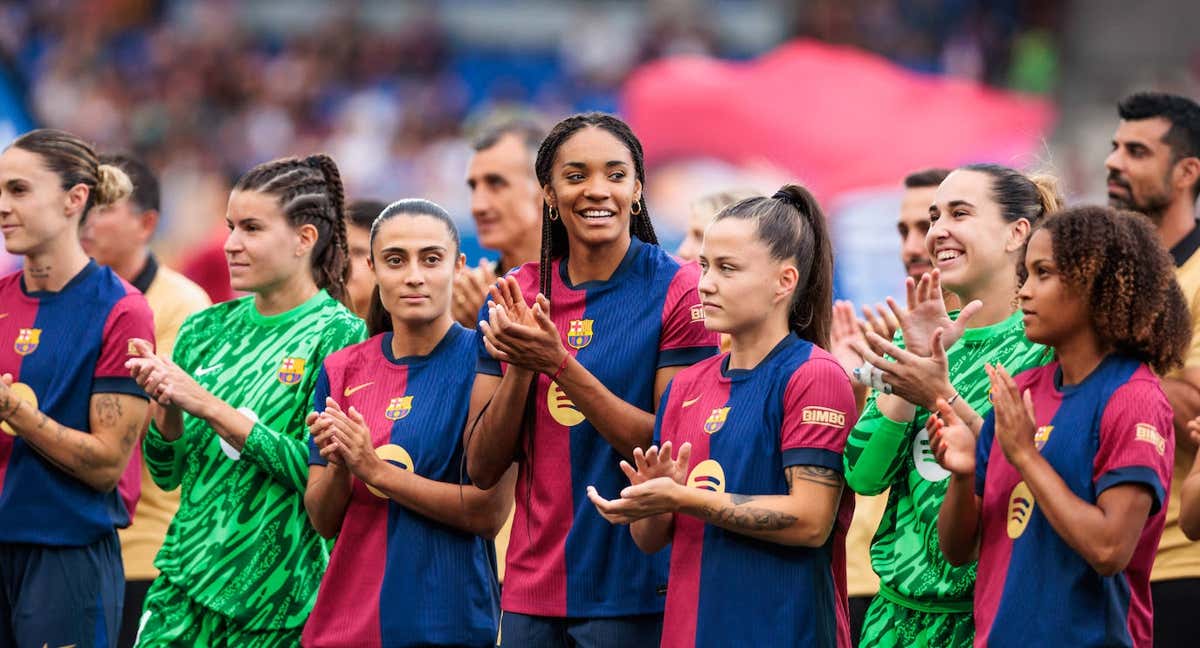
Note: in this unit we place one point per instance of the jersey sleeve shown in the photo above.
(320, 393)
(983, 450)
(484, 362)
(684, 339)
(818, 414)
(164, 459)
(662, 410)
(1137, 444)
(130, 318)
(875, 450)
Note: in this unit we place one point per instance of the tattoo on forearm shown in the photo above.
(815, 474)
(748, 518)
(739, 499)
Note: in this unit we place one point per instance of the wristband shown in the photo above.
(563, 365)
(952, 399)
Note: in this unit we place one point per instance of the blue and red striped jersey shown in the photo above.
(564, 559)
(1113, 428)
(796, 407)
(61, 348)
(398, 578)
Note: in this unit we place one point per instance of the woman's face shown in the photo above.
(969, 241)
(592, 186)
(263, 250)
(1052, 311)
(34, 209)
(740, 284)
(415, 261)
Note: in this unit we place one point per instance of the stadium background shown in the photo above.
(843, 95)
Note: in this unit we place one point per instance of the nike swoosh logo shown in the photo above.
(207, 370)
(350, 390)
(689, 403)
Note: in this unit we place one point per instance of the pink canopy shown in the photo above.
(837, 117)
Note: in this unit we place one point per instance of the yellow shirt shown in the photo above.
(861, 579)
(1177, 556)
(172, 297)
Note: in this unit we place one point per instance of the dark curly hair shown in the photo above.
(1115, 261)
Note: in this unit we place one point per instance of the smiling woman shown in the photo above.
(979, 221)
(566, 383)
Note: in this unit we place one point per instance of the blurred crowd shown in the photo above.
(204, 90)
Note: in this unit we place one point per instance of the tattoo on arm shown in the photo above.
(815, 474)
(108, 409)
(749, 518)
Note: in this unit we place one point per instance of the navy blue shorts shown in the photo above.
(59, 596)
(635, 631)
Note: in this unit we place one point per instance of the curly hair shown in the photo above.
(1115, 261)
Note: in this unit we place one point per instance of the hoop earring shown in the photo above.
(553, 214)
(637, 204)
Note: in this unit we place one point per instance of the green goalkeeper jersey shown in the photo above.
(882, 453)
(241, 543)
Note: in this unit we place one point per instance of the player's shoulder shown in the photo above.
(363, 353)
(336, 323)
(702, 372)
(178, 289)
(1134, 383)
(218, 314)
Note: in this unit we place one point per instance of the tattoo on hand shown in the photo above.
(815, 474)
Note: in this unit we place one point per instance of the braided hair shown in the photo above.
(554, 234)
(310, 192)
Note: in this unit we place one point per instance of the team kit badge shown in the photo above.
(716, 420)
(398, 408)
(579, 333)
(291, 371)
(27, 340)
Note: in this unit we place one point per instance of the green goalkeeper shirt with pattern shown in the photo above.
(241, 544)
(883, 453)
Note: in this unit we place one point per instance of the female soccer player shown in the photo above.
(980, 219)
(569, 384)
(1064, 494)
(413, 564)
(240, 564)
(69, 412)
(757, 517)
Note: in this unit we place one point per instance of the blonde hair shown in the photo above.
(75, 162)
(709, 204)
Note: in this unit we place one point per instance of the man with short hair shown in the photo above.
(118, 236)
(1154, 168)
(506, 203)
(913, 223)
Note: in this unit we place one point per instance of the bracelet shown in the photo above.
(953, 398)
(563, 365)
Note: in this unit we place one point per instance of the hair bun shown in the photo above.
(112, 184)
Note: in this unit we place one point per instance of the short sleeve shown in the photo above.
(685, 340)
(1137, 443)
(818, 414)
(983, 450)
(484, 362)
(662, 409)
(320, 393)
(129, 318)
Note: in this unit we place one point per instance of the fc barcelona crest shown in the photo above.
(716, 420)
(291, 370)
(398, 408)
(27, 340)
(579, 334)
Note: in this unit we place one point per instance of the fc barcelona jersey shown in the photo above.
(564, 559)
(61, 348)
